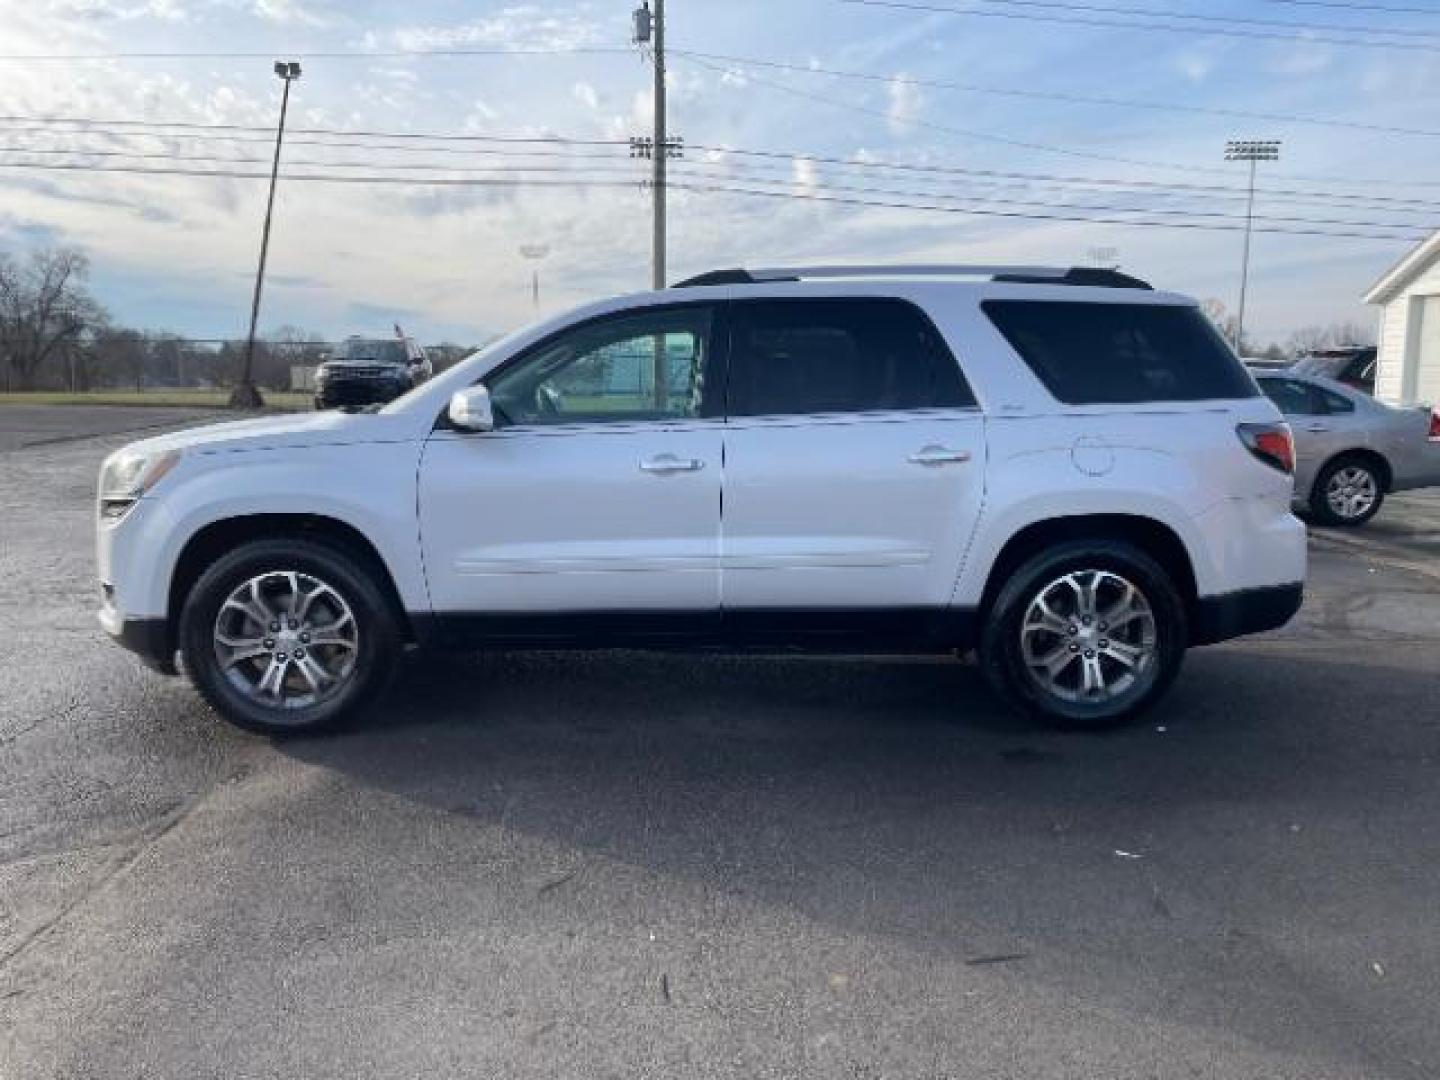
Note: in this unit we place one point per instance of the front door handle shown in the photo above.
(939, 455)
(669, 463)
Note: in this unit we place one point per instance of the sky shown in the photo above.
(970, 128)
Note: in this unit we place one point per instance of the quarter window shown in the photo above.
(839, 356)
(649, 366)
(1092, 354)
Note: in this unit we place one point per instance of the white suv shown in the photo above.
(1061, 469)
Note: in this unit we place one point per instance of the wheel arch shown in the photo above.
(1148, 534)
(1367, 454)
(217, 537)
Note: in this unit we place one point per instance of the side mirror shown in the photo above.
(470, 410)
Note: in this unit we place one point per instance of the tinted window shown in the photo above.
(649, 366)
(1088, 353)
(826, 356)
(1293, 398)
(384, 351)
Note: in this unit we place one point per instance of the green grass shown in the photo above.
(194, 399)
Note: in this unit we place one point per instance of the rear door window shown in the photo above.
(1092, 354)
(795, 357)
(1293, 397)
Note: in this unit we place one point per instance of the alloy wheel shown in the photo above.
(286, 640)
(1088, 637)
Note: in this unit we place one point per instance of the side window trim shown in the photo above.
(734, 402)
(714, 366)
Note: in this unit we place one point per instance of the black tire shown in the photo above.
(1001, 655)
(351, 578)
(1320, 507)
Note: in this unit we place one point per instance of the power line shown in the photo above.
(1429, 209)
(982, 136)
(1033, 216)
(851, 200)
(1389, 9)
(334, 54)
(217, 159)
(1145, 185)
(622, 166)
(1118, 24)
(248, 128)
(853, 106)
(1071, 98)
(1229, 20)
(562, 148)
(1097, 208)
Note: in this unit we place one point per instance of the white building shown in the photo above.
(1408, 369)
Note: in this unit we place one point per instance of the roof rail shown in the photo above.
(1032, 275)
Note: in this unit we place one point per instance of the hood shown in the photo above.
(293, 430)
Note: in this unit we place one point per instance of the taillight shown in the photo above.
(1435, 424)
(1271, 443)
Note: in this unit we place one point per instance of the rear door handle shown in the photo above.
(669, 463)
(1317, 428)
(939, 455)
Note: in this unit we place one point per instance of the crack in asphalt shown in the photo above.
(117, 867)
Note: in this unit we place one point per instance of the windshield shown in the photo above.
(382, 351)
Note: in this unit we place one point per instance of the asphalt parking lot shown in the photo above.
(620, 865)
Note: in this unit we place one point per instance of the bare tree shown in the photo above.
(122, 355)
(1309, 339)
(45, 309)
(286, 348)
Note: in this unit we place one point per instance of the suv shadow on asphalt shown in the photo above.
(1164, 870)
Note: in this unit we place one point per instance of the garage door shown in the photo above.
(1427, 370)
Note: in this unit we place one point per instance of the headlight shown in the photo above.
(129, 474)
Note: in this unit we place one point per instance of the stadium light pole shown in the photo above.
(1253, 151)
(245, 394)
(534, 253)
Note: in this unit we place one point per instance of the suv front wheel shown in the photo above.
(288, 636)
(1086, 634)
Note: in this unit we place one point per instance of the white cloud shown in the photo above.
(905, 103)
(120, 10)
(288, 12)
(804, 176)
(586, 95)
(1304, 58)
(1196, 67)
(526, 26)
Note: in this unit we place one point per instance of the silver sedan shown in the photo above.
(1350, 449)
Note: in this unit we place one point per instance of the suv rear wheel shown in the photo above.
(1085, 635)
(287, 636)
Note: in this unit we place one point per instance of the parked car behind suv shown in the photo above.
(1062, 469)
(369, 371)
(1351, 450)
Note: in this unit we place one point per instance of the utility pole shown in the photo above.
(1253, 151)
(659, 147)
(245, 394)
(661, 150)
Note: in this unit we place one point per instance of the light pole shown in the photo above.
(1251, 150)
(245, 394)
(534, 253)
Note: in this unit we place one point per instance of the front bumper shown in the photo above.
(355, 393)
(1247, 611)
(149, 639)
